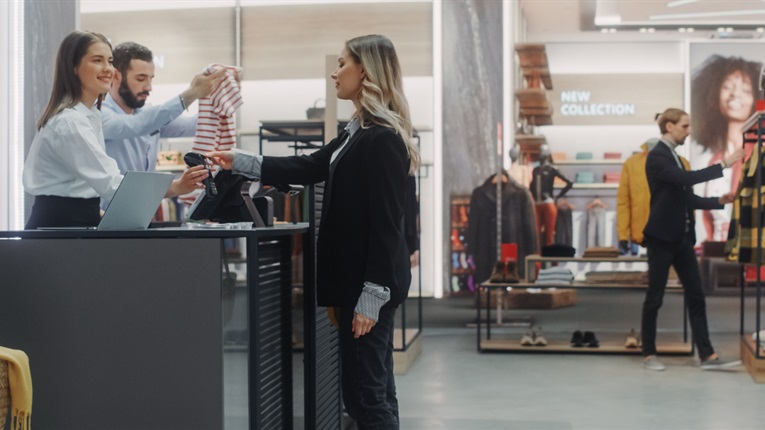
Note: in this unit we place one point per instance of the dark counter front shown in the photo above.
(124, 329)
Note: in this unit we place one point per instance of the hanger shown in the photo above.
(597, 203)
(494, 178)
(564, 204)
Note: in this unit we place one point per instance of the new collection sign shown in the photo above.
(614, 99)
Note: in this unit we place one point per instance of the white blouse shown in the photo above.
(68, 157)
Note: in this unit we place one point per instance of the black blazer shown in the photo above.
(361, 234)
(672, 197)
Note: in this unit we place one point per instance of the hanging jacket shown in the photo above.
(518, 225)
(741, 245)
(633, 199)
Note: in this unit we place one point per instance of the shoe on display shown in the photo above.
(717, 364)
(470, 262)
(539, 337)
(632, 340)
(463, 215)
(511, 273)
(470, 283)
(455, 260)
(576, 339)
(456, 243)
(498, 274)
(528, 339)
(653, 363)
(589, 340)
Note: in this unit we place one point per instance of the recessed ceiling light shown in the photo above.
(690, 29)
(604, 30)
(760, 30)
(721, 30)
(643, 30)
(729, 29)
(681, 29)
(651, 30)
(612, 30)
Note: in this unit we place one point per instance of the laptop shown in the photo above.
(136, 201)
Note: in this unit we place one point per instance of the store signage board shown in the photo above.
(614, 99)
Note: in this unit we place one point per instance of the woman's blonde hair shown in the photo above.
(67, 88)
(382, 99)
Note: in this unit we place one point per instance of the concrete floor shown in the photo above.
(451, 386)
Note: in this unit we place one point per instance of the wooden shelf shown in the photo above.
(755, 366)
(531, 74)
(531, 55)
(677, 348)
(533, 98)
(577, 285)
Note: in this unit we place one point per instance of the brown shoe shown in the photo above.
(498, 274)
(511, 273)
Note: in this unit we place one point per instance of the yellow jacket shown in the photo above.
(633, 200)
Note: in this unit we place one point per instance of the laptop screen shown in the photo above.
(136, 201)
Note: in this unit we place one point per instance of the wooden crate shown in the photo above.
(755, 367)
(546, 299)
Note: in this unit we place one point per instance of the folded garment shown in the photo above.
(612, 155)
(558, 250)
(552, 282)
(568, 275)
(584, 156)
(585, 178)
(612, 177)
(558, 156)
(617, 277)
(555, 269)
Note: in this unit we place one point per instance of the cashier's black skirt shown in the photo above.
(55, 211)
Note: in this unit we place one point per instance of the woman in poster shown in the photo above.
(723, 94)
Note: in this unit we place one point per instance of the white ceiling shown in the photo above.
(546, 17)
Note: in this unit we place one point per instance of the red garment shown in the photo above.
(547, 214)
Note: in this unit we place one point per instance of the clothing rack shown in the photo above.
(751, 353)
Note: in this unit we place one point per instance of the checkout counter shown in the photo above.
(125, 329)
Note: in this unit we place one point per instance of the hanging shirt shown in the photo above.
(68, 159)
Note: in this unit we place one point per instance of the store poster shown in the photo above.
(724, 85)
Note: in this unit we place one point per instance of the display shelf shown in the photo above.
(594, 186)
(461, 277)
(605, 162)
(755, 366)
(171, 167)
(490, 344)
(666, 348)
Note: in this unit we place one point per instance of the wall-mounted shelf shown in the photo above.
(613, 162)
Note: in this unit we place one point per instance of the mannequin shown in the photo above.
(542, 190)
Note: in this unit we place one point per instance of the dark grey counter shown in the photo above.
(124, 328)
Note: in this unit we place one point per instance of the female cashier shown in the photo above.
(362, 256)
(67, 168)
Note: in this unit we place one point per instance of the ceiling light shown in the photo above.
(721, 30)
(760, 30)
(729, 29)
(604, 30)
(707, 14)
(680, 2)
(612, 30)
(681, 29)
(690, 29)
(651, 30)
(643, 30)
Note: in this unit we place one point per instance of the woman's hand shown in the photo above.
(190, 180)
(361, 325)
(224, 159)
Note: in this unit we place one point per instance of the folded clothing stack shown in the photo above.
(555, 276)
(612, 177)
(616, 277)
(601, 252)
(585, 178)
(584, 155)
(612, 155)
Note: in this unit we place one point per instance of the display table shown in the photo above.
(124, 329)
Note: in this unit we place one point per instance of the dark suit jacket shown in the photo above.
(672, 197)
(361, 234)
